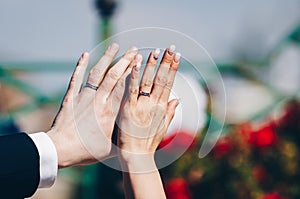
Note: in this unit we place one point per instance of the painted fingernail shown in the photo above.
(177, 57)
(138, 66)
(156, 53)
(172, 49)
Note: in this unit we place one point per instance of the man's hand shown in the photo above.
(83, 127)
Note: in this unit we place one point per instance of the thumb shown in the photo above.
(171, 111)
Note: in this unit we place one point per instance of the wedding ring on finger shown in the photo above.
(91, 86)
(143, 93)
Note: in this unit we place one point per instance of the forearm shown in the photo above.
(143, 185)
(141, 179)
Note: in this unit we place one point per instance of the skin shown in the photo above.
(89, 113)
(143, 120)
(143, 123)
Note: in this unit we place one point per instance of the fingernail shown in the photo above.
(156, 53)
(138, 66)
(177, 57)
(114, 46)
(133, 49)
(177, 102)
(172, 49)
(139, 58)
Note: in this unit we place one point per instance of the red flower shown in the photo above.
(259, 173)
(274, 195)
(263, 137)
(177, 188)
(178, 140)
(222, 147)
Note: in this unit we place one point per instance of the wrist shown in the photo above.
(62, 158)
(137, 162)
(70, 151)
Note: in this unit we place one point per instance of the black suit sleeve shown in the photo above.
(19, 166)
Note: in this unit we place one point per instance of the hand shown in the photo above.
(146, 115)
(83, 127)
(144, 120)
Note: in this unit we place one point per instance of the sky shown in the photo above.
(61, 30)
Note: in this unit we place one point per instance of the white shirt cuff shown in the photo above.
(48, 158)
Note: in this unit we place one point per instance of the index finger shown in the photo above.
(116, 72)
(97, 72)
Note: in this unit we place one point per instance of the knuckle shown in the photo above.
(95, 71)
(161, 80)
(169, 85)
(92, 79)
(134, 90)
(134, 76)
(147, 83)
(113, 75)
(167, 59)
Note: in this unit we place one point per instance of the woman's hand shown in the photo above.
(83, 127)
(146, 115)
(144, 120)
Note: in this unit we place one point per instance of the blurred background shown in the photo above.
(255, 44)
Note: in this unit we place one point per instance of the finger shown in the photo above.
(171, 77)
(129, 69)
(133, 88)
(116, 72)
(97, 72)
(118, 92)
(171, 108)
(161, 77)
(77, 77)
(82, 66)
(147, 78)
